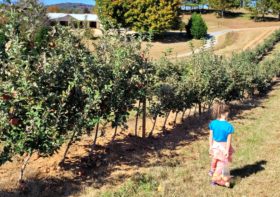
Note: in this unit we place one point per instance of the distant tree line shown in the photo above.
(257, 7)
(73, 9)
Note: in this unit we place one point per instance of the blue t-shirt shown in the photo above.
(221, 129)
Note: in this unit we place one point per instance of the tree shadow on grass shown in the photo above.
(247, 170)
(172, 37)
(229, 14)
(266, 19)
(54, 187)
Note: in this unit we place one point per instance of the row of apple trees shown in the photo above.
(54, 90)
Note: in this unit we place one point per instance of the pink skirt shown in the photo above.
(219, 150)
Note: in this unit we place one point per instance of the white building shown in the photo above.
(78, 20)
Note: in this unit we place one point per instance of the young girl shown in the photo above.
(220, 145)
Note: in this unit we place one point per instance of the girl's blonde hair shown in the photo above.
(220, 108)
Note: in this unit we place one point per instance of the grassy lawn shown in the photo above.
(255, 167)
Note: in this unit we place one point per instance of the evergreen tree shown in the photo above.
(196, 27)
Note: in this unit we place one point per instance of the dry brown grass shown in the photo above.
(226, 40)
(217, 24)
(177, 47)
(241, 40)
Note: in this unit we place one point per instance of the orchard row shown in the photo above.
(53, 89)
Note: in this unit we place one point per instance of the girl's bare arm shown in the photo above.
(229, 138)
(210, 139)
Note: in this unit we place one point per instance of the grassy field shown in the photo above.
(255, 167)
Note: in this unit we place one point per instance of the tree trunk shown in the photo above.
(115, 133)
(23, 167)
(279, 16)
(199, 109)
(68, 147)
(175, 119)
(165, 121)
(204, 107)
(144, 118)
(210, 105)
(183, 115)
(222, 13)
(194, 112)
(136, 120)
(95, 139)
(153, 128)
(189, 112)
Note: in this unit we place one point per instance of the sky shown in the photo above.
(49, 2)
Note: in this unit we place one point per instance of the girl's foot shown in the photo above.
(210, 173)
(227, 184)
(213, 183)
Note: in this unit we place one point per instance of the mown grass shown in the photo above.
(255, 161)
(139, 185)
(230, 39)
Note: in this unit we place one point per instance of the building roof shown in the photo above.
(78, 17)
